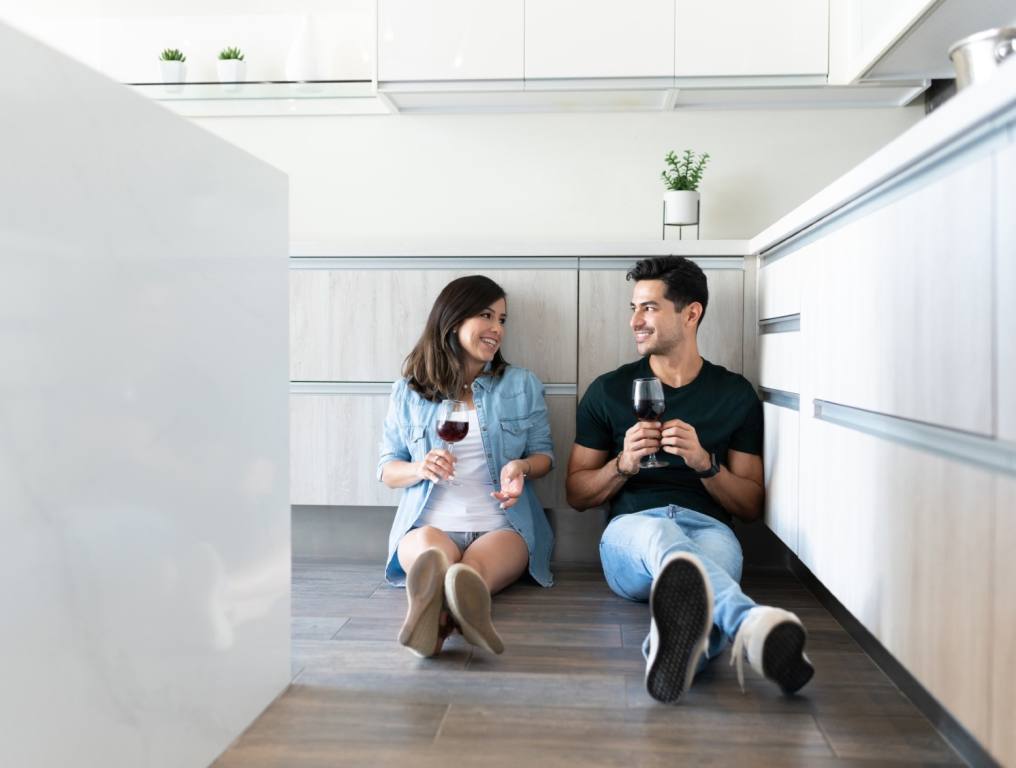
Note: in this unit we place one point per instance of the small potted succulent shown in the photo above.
(231, 67)
(682, 177)
(174, 71)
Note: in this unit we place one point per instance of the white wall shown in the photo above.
(552, 176)
(144, 494)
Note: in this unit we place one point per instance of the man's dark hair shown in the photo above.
(685, 280)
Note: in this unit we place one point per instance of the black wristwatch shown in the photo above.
(714, 468)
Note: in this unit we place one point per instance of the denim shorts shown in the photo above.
(463, 539)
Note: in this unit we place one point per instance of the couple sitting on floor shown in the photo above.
(469, 524)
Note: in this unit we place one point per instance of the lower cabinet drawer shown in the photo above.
(903, 538)
(334, 442)
(780, 458)
(889, 295)
(779, 286)
(779, 363)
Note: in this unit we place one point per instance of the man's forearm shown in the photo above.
(593, 487)
(741, 497)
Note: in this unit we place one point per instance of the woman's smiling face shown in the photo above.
(481, 335)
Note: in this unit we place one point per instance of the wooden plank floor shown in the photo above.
(568, 690)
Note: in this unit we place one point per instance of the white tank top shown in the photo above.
(468, 506)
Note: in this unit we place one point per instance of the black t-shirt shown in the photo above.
(721, 405)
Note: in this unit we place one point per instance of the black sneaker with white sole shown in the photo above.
(783, 658)
(773, 641)
(681, 609)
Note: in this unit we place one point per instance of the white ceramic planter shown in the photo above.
(231, 72)
(174, 74)
(680, 206)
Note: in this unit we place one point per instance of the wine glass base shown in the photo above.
(652, 463)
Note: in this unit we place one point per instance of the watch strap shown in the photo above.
(714, 468)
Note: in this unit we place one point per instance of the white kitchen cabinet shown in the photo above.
(899, 310)
(779, 361)
(1003, 664)
(738, 38)
(605, 336)
(1005, 289)
(450, 40)
(780, 460)
(903, 539)
(599, 38)
(359, 324)
(779, 285)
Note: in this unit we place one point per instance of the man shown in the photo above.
(669, 539)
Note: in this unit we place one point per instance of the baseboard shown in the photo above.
(959, 738)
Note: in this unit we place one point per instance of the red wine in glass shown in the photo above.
(452, 426)
(649, 410)
(648, 404)
(452, 431)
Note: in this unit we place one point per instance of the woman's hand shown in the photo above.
(513, 480)
(437, 465)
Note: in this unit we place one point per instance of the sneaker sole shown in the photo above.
(783, 657)
(425, 590)
(681, 605)
(469, 603)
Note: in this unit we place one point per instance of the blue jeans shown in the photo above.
(634, 547)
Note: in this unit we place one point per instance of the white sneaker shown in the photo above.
(681, 607)
(773, 640)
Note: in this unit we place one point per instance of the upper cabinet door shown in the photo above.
(451, 40)
(738, 38)
(599, 38)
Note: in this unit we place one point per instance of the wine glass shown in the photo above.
(452, 426)
(647, 398)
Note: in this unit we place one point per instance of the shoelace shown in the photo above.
(737, 653)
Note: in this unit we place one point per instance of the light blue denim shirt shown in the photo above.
(513, 424)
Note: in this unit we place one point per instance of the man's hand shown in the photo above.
(642, 439)
(681, 439)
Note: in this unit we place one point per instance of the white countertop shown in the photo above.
(970, 110)
(486, 248)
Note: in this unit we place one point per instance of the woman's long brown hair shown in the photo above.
(435, 368)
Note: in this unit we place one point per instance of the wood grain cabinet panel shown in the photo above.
(334, 448)
(780, 459)
(550, 489)
(898, 290)
(605, 336)
(358, 325)
(903, 538)
(1005, 287)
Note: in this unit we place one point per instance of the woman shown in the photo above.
(457, 544)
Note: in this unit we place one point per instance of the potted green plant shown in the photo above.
(174, 71)
(231, 67)
(682, 177)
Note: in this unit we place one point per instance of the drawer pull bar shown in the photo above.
(984, 452)
(784, 324)
(782, 399)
